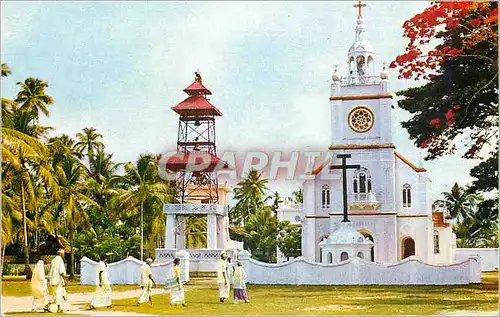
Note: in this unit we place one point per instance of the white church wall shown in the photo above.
(416, 228)
(447, 246)
(128, 271)
(322, 227)
(356, 271)
(489, 257)
(406, 175)
(308, 241)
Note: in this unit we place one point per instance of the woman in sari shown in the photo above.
(177, 291)
(102, 298)
(39, 288)
(239, 284)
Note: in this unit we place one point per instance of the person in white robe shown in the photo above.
(147, 282)
(39, 288)
(57, 279)
(230, 270)
(102, 298)
(239, 284)
(222, 278)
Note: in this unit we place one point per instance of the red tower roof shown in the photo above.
(180, 160)
(197, 87)
(196, 106)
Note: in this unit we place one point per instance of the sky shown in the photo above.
(121, 66)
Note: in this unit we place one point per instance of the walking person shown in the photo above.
(147, 282)
(177, 291)
(102, 298)
(222, 278)
(230, 270)
(240, 287)
(39, 289)
(57, 278)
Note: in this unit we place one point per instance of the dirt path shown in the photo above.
(77, 303)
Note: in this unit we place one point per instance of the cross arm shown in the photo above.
(341, 167)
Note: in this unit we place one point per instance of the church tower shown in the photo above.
(387, 197)
(360, 101)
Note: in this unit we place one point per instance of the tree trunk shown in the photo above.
(71, 255)
(27, 269)
(142, 231)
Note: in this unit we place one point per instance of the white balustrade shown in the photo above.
(200, 209)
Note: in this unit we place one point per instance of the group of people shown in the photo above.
(50, 296)
(228, 274)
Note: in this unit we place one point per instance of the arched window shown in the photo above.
(436, 242)
(362, 182)
(344, 256)
(360, 255)
(325, 196)
(406, 195)
(330, 257)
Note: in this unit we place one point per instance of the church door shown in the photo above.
(408, 247)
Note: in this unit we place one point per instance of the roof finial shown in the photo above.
(359, 6)
(197, 76)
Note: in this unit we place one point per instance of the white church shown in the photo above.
(388, 197)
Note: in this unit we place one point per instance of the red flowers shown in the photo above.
(477, 21)
(435, 123)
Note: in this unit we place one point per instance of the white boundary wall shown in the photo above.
(489, 257)
(128, 271)
(357, 271)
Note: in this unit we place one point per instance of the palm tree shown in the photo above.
(141, 188)
(249, 193)
(25, 167)
(89, 140)
(24, 156)
(71, 207)
(459, 202)
(32, 97)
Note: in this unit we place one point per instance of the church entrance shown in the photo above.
(408, 247)
(368, 235)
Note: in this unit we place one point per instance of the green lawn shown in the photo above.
(202, 299)
(22, 288)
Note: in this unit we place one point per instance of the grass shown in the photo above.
(202, 299)
(22, 288)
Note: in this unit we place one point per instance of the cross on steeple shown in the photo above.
(359, 6)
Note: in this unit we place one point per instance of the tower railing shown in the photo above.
(359, 80)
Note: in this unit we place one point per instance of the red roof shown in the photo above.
(196, 106)
(197, 88)
(179, 162)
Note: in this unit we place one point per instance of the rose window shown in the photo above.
(361, 119)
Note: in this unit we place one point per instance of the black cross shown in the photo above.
(344, 168)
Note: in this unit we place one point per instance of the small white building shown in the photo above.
(388, 197)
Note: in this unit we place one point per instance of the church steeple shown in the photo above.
(360, 57)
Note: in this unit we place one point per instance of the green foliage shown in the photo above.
(476, 219)
(290, 240)
(70, 187)
(257, 224)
